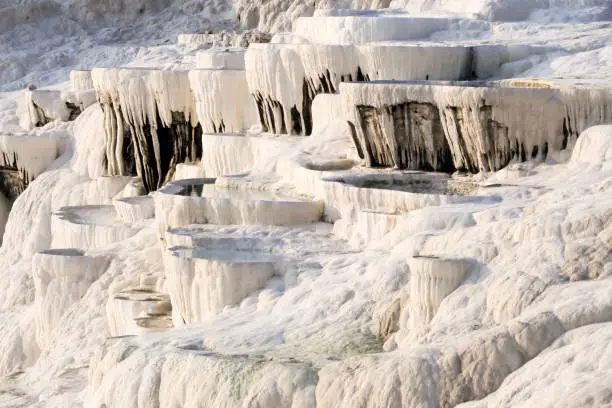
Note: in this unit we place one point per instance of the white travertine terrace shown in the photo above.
(104, 189)
(79, 101)
(200, 201)
(222, 100)
(275, 76)
(197, 237)
(325, 109)
(175, 377)
(203, 281)
(32, 153)
(367, 226)
(410, 62)
(395, 193)
(220, 58)
(44, 106)
(593, 148)
(234, 153)
(189, 171)
(285, 77)
(372, 9)
(515, 309)
(133, 188)
(326, 65)
(154, 112)
(478, 127)
(365, 29)
(80, 80)
(224, 154)
(82, 93)
(61, 278)
(86, 227)
(138, 311)
(134, 209)
(432, 279)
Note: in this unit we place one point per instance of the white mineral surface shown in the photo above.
(287, 203)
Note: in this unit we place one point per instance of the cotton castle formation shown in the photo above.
(347, 204)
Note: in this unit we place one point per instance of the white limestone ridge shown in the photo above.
(228, 203)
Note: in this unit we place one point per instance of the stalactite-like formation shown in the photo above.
(467, 126)
(150, 122)
(13, 179)
(276, 71)
(419, 142)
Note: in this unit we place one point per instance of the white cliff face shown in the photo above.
(382, 61)
(61, 278)
(90, 143)
(152, 112)
(326, 108)
(275, 77)
(229, 58)
(230, 153)
(227, 154)
(223, 103)
(80, 81)
(202, 282)
(447, 126)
